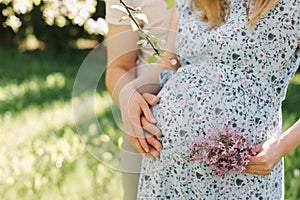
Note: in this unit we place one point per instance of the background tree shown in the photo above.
(51, 23)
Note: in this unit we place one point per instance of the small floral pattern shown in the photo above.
(230, 78)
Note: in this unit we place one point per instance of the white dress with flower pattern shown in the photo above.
(230, 78)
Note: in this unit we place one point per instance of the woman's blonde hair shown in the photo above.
(215, 12)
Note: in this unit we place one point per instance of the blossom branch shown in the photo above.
(145, 35)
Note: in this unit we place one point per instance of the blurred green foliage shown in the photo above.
(291, 113)
(56, 24)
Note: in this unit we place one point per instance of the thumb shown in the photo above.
(258, 148)
(255, 157)
(151, 99)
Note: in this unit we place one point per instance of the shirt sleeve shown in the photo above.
(165, 76)
(113, 15)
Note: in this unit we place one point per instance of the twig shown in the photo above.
(147, 37)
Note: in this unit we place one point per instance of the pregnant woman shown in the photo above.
(237, 58)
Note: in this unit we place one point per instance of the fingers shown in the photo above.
(132, 108)
(147, 144)
(154, 150)
(152, 157)
(140, 137)
(152, 140)
(147, 112)
(258, 148)
(150, 99)
(259, 165)
(138, 133)
(137, 145)
(268, 155)
(256, 160)
(257, 171)
(151, 128)
(153, 154)
(144, 141)
(155, 146)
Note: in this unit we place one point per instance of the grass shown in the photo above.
(42, 156)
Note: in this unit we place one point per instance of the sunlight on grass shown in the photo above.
(34, 85)
(42, 157)
(41, 154)
(296, 79)
(33, 122)
(100, 134)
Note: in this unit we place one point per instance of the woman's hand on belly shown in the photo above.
(135, 114)
(268, 154)
(152, 133)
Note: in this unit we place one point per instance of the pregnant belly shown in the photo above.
(193, 105)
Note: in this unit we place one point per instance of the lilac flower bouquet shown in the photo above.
(225, 151)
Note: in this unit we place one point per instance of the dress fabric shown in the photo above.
(230, 77)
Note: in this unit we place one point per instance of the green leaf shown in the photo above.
(154, 42)
(160, 51)
(143, 34)
(170, 3)
(151, 59)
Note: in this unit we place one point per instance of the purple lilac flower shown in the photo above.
(225, 151)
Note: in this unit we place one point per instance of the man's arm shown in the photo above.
(133, 105)
(121, 58)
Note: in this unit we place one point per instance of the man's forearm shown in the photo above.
(147, 83)
(116, 78)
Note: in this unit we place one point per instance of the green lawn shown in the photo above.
(41, 154)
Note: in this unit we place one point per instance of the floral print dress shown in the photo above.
(230, 78)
